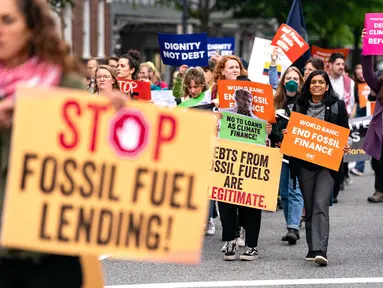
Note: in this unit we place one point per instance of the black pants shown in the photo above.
(316, 187)
(249, 218)
(52, 271)
(377, 166)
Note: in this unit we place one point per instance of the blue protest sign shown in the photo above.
(224, 46)
(188, 49)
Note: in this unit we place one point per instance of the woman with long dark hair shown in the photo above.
(317, 99)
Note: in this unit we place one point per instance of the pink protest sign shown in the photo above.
(373, 41)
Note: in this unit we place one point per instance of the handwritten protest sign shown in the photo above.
(95, 182)
(373, 41)
(242, 128)
(324, 54)
(139, 90)
(291, 43)
(363, 92)
(245, 174)
(370, 105)
(315, 141)
(190, 49)
(259, 64)
(221, 46)
(358, 127)
(261, 105)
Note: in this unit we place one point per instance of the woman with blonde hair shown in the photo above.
(106, 80)
(291, 196)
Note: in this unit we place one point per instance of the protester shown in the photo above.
(373, 143)
(92, 65)
(32, 52)
(311, 65)
(155, 77)
(144, 75)
(194, 88)
(291, 196)
(344, 86)
(318, 99)
(358, 170)
(106, 80)
(112, 62)
(250, 217)
(228, 68)
(129, 65)
(177, 87)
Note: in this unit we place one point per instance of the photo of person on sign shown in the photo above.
(244, 106)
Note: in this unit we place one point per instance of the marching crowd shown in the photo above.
(32, 52)
(326, 92)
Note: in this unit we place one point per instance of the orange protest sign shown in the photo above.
(139, 90)
(95, 181)
(290, 42)
(245, 174)
(324, 54)
(363, 92)
(315, 141)
(262, 104)
(370, 107)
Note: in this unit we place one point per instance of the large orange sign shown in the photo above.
(232, 91)
(315, 141)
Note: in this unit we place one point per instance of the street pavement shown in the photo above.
(355, 251)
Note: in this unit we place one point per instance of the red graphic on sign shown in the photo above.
(138, 90)
(129, 133)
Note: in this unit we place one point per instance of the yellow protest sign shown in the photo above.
(245, 174)
(86, 180)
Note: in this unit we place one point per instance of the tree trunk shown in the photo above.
(205, 15)
(356, 52)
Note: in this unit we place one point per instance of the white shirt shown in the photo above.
(338, 85)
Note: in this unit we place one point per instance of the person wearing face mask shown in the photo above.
(291, 196)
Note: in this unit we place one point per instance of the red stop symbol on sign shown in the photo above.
(128, 133)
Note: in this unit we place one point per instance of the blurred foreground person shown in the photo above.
(32, 53)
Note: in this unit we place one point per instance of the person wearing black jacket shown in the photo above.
(318, 100)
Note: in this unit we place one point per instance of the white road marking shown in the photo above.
(254, 283)
(103, 257)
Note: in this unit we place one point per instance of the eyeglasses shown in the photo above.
(106, 77)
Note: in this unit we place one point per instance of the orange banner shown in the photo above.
(262, 104)
(363, 92)
(139, 90)
(315, 141)
(370, 107)
(324, 54)
(290, 42)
